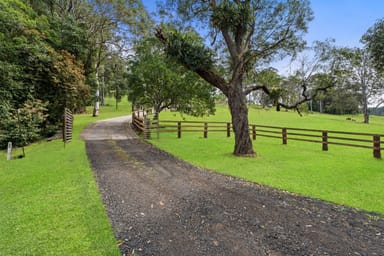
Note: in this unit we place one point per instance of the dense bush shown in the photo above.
(38, 74)
(32, 117)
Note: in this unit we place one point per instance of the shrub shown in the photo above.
(32, 116)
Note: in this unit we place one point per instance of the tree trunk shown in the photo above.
(157, 109)
(365, 112)
(366, 117)
(365, 102)
(239, 113)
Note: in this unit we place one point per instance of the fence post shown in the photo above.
(156, 118)
(376, 146)
(284, 135)
(228, 129)
(254, 132)
(9, 151)
(325, 141)
(147, 128)
(205, 130)
(134, 120)
(178, 130)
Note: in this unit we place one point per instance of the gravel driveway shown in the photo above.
(160, 205)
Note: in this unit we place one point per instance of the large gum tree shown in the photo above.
(244, 35)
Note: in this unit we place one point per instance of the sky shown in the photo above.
(346, 21)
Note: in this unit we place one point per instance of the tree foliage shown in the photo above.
(374, 42)
(114, 74)
(156, 81)
(24, 125)
(341, 101)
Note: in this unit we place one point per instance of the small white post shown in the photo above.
(9, 151)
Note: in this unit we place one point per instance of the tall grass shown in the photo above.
(49, 203)
(347, 176)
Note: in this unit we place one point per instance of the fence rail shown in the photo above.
(285, 134)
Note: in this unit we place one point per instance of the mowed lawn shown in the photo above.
(344, 175)
(49, 203)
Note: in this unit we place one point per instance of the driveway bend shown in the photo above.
(160, 205)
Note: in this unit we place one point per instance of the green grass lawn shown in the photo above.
(49, 203)
(348, 176)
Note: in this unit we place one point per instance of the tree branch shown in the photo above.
(230, 43)
(214, 79)
(256, 88)
(208, 75)
(264, 52)
(305, 98)
(379, 104)
(248, 39)
(160, 35)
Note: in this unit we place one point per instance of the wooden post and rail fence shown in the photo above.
(324, 137)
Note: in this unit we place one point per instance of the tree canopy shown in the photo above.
(374, 42)
(156, 81)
